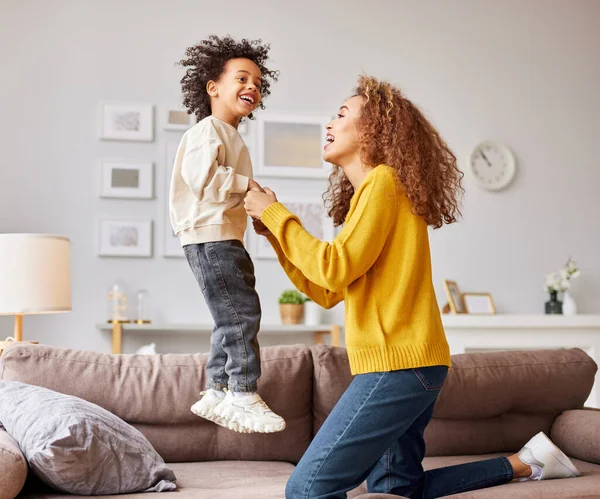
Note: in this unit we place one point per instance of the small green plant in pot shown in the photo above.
(291, 306)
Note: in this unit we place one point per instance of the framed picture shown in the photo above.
(313, 217)
(176, 118)
(171, 243)
(291, 146)
(127, 179)
(127, 238)
(126, 121)
(455, 299)
(479, 303)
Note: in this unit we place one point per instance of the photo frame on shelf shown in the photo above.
(312, 215)
(133, 121)
(291, 146)
(171, 246)
(176, 118)
(126, 179)
(455, 299)
(120, 237)
(479, 303)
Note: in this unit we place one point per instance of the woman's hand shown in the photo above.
(260, 228)
(257, 202)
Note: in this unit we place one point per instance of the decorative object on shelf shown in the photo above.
(312, 313)
(126, 121)
(492, 165)
(149, 349)
(142, 307)
(127, 179)
(171, 243)
(291, 306)
(291, 146)
(117, 303)
(553, 306)
(36, 276)
(125, 238)
(560, 282)
(312, 214)
(456, 305)
(479, 303)
(176, 118)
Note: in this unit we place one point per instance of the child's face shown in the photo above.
(237, 92)
(342, 133)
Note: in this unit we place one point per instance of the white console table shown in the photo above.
(480, 333)
(118, 329)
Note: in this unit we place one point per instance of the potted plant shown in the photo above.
(291, 306)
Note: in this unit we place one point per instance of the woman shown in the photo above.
(395, 177)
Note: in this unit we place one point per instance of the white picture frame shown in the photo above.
(291, 146)
(312, 215)
(176, 118)
(131, 121)
(170, 242)
(126, 179)
(121, 237)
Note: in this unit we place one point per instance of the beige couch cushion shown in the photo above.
(155, 393)
(212, 480)
(587, 485)
(13, 467)
(491, 402)
(483, 385)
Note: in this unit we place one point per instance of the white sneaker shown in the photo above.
(249, 414)
(205, 407)
(546, 460)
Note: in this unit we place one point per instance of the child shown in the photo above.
(224, 83)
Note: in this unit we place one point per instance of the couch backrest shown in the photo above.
(491, 402)
(154, 393)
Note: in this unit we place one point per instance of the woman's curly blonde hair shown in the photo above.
(393, 131)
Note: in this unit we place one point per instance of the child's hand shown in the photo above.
(253, 185)
(257, 202)
(260, 228)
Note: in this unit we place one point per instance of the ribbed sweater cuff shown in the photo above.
(274, 216)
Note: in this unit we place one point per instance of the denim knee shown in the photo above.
(294, 488)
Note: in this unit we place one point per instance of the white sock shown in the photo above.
(217, 393)
(242, 394)
(536, 472)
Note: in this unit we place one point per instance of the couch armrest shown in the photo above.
(577, 433)
(13, 467)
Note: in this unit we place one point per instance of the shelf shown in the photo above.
(465, 321)
(207, 328)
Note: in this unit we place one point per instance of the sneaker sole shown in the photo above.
(245, 427)
(561, 457)
(210, 416)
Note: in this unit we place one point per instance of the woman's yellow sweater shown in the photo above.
(380, 265)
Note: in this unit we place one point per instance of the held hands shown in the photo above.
(258, 199)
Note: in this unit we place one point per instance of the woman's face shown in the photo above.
(342, 145)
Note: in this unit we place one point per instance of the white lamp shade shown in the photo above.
(35, 274)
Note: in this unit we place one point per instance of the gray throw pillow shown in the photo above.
(78, 447)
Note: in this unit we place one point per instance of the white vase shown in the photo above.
(569, 306)
(312, 314)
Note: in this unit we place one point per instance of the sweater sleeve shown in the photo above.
(321, 296)
(334, 266)
(208, 180)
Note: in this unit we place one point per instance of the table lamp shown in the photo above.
(35, 276)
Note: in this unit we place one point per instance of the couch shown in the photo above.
(491, 405)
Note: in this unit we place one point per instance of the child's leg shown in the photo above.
(215, 367)
(235, 307)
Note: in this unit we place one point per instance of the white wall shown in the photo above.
(525, 73)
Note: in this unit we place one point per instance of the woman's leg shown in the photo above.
(374, 412)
